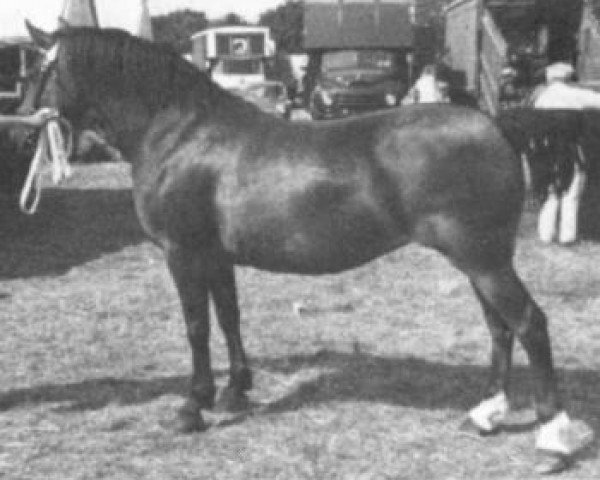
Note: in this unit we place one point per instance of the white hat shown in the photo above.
(560, 71)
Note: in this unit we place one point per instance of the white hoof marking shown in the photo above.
(561, 435)
(490, 413)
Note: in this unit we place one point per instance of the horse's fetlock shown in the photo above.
(204, 395)
(241, 379)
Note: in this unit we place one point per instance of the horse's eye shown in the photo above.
(30, 143)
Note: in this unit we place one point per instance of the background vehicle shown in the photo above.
(17, 55)
(234, 55)
(350, 81)
(270, 96)
(360, 55)
(485, 38)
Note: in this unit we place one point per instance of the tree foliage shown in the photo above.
(177, 27)
(230, 19)
(286, 23)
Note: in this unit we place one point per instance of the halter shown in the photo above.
(53, 146)
(47, 67)
(53, 149)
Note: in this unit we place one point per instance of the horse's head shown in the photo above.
(123, 83)
(43, 87)
(50, 84)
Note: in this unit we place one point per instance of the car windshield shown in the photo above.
(240, 67)
(266, 91)
(381, 60)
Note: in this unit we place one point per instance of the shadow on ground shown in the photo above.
(353, 377)
(71, 227)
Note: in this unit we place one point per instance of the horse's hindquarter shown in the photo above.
(460, 182)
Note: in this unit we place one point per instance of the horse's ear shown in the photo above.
(63, 24)
(41, 39)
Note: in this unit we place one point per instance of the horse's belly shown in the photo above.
(313, 242)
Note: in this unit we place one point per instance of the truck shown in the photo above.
(360, 55)
(234, 56)
(488, 42)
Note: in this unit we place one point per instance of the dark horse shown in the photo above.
(217, 183)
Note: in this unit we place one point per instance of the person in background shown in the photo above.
(427, 89)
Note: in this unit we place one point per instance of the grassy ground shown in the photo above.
(370, 381)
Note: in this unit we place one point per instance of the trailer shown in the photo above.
(588, 61)
(484, 37)
(17, 56)
(360, 54)
(234, 56)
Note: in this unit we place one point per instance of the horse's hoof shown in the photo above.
(548, 463)
(468, 426)
(243, 380)
(232, 400)
(189, 419)
(189, 424)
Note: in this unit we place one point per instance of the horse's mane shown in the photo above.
(156, 73)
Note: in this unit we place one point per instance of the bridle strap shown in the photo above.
(53, 148)
(46, 72)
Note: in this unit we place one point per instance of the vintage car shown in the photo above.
(360, 55)
(353, 81)
(270, 96)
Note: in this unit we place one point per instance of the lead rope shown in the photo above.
(53, 148)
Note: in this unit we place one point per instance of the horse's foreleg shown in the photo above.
(490, 413)
(506, 294)
(190, 274)
(224, 294)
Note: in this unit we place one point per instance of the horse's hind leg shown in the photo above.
(505, 293)
(488, 415)
(190, 273)
(224, 294)
(503, 290)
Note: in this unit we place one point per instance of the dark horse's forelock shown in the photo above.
(113, 60)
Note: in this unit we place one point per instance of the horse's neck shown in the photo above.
(138, 125)
(133, 122)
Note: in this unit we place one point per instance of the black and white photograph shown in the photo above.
(299, 239)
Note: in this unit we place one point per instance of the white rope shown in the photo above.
(52, 149)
